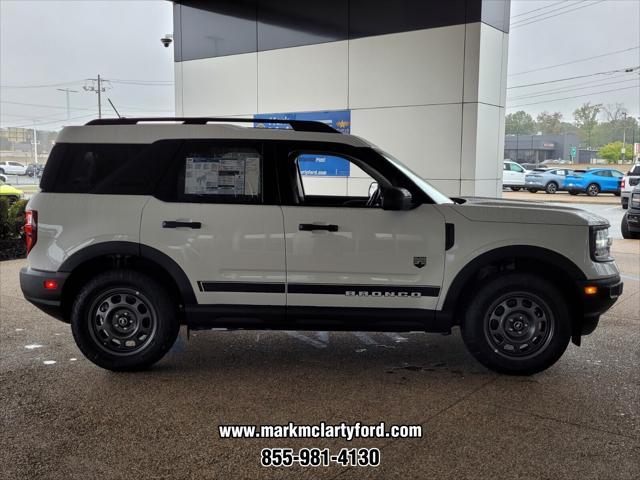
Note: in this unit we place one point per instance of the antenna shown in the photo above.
(114, 108)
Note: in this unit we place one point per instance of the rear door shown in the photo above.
(216, 215)
(342, 251)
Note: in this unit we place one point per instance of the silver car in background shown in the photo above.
(551, 180)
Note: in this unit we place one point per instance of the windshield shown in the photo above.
(425, 186)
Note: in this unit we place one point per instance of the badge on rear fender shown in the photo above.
(419, 261)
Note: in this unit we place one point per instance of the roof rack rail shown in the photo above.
(297, 125)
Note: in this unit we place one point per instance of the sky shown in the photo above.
(49, 44)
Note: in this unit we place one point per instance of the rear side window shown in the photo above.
(215, 172)
(126, 169)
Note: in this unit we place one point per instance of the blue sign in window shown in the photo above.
(313, 165)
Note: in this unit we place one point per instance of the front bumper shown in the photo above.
(608, 291)
(534, 184)
(48, 300)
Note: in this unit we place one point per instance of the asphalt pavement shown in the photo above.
(61, 417)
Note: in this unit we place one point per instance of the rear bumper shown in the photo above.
(48, 300)
(609, 289)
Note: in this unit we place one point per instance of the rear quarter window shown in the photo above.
(126, 169)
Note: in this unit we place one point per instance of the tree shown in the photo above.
(586, 119)
(614, 112)
(550, 122)
(612, 151)
(520, 123)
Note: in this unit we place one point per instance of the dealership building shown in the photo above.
(423, 80)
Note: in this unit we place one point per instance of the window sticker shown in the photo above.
(232, 173)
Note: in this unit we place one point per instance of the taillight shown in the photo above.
(30, 228)
(622, 183)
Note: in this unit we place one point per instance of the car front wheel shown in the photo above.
(517, 324)
(515, 189)
(124, 320)
(552, 187)
(533, 190)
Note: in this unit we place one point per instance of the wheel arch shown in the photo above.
(117, 254)
(556, 268)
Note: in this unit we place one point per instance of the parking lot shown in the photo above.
(62, 417)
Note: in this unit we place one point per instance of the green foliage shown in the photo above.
(612, 152)
(519, 123)
(586, 119)
(11, 218)
(550, 122)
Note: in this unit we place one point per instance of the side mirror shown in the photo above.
(396, 198)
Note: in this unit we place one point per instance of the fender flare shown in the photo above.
(133, 249)
(524, 252)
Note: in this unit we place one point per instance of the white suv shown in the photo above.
(12, 168)
(630, 180)
(141, 227)
(513, 175)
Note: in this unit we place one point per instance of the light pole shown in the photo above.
(623, 150)
(67, 91)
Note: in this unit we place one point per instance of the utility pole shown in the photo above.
(623, 150)
(35, 145)
(98, 89)
(67, 91)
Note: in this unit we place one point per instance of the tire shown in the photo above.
(625, 203)
(146, 328)
(515, 189)
(540, 314)
(533, 190)
(551, 188)
(626, 233)
(573, 192)
(593, 189)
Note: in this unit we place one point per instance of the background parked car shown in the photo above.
(594, 181)
(551, 180)
(3, 178)
(513, 175)
(12, 168)
(12, 193)
(34, 170)
(630, 180)
(631, 221)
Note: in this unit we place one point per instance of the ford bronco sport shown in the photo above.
(142, 225)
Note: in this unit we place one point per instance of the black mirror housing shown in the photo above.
(396, 198)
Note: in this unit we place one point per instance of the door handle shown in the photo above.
(176, 224)
(310, 227)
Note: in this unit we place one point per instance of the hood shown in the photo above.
(481, 209)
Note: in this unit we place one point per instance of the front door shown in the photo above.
(343, 250)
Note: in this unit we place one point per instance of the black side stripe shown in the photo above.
(320, 289)
(372, 290)
(255, 287)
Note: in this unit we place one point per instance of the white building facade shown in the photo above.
(423, 80)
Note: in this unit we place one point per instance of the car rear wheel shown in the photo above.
(124, 320)
(517, 324)
(552, 187)
(515, 189)
(593, 189)
(626, 233)
(533, 190)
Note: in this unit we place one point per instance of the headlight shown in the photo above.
(600, 244)
(635, 200)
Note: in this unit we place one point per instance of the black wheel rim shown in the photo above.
(122, 321)
(519, 325)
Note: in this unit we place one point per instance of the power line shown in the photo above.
(556, 15)
(536, 9)
(575, 61)
(575, 96)
(141, 109)
(566, 90)
(60, 120)
(624, 70)
(566, 5)
(62, 84)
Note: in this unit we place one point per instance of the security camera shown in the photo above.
(166, 40)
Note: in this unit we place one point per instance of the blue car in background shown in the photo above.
(550, 180)
(594, 181)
